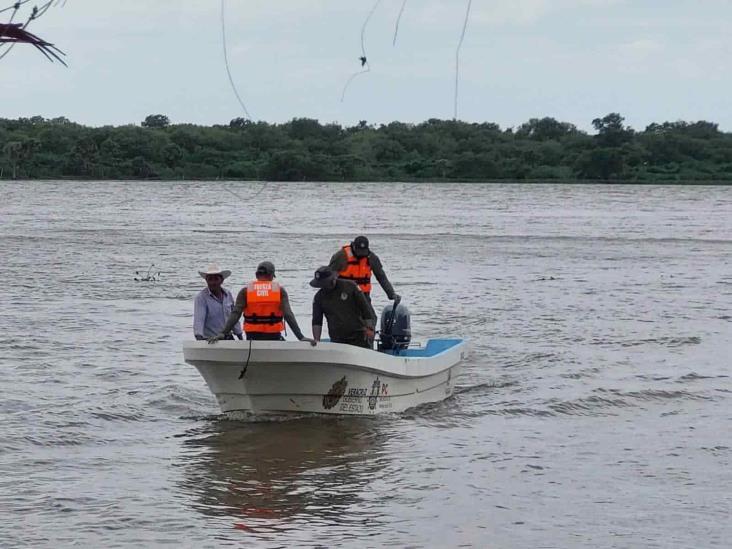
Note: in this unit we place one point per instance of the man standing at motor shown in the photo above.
(356, 262)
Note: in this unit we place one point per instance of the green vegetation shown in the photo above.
(303, 149)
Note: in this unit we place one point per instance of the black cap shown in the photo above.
(322, 277)
(266, 268)
(360, 244)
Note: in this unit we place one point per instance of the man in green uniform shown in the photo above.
(351, 319)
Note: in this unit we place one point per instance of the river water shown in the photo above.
(595, 409)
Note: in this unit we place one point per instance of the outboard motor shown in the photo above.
(396, 329)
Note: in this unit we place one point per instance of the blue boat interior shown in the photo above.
(433, 348)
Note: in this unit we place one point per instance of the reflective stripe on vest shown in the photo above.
(263, 313)
(357, 270)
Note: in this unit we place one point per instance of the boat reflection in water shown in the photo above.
(271, 475)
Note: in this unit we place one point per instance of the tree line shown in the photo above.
(304, 149)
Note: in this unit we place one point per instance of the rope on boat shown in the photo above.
(249, 355)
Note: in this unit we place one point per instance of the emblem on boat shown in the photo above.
(374, 397)
(336, 392)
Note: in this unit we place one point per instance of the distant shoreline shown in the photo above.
(540, 151)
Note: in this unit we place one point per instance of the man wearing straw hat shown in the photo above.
(213, 305)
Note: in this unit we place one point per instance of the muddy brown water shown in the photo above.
(594, 410)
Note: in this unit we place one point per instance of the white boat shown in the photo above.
(332, 378)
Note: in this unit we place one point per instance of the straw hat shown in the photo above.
(213, 269)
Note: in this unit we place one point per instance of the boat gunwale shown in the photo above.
(264, 345)
(391, 365)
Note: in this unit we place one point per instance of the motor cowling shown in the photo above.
(396, 328)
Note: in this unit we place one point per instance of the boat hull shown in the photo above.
(264, 376)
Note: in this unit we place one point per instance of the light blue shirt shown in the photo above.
(210, 314)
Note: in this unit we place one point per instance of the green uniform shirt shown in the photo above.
(346, 308)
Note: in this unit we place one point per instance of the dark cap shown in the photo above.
(360, 246)
(360, 243)
(323, 277)
(266, 268)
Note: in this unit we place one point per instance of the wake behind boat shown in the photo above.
(332, 378)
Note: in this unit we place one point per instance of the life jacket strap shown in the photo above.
(364, 280)
(271, 319)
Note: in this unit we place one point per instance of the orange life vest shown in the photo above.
(357, 270)
(263, 313)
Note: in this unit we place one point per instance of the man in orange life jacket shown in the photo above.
(266, 306)
(356, 262)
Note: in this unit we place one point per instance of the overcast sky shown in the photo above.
(650, 60)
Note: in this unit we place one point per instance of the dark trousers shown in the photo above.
(254, 336)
